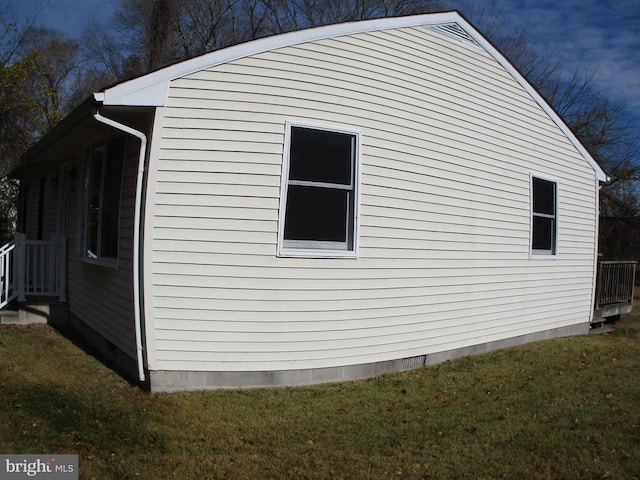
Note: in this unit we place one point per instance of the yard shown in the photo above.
(558, 409)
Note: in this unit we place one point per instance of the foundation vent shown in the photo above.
(413, 362)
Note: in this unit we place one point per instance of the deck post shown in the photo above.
(62, 269)
(20, 269)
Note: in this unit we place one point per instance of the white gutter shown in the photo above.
(136, 234)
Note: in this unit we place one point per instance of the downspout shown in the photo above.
(594, 289)
(136, 235)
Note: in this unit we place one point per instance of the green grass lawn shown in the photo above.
(559, 409)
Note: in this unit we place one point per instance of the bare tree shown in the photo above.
(288, 15)
(146, 34)
(605, 128)
(207, 25)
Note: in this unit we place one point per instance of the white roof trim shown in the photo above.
(486, 45)
(152, 89)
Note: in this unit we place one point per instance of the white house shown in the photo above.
(322, 205)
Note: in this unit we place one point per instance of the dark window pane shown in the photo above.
(103, 186)
(317, 214)
(94, 185)
(321, 156)
(544, 198)
(543, 234)
(111, 198)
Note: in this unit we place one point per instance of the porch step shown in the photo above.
(9, 317)
(33, 313)
(602, 329)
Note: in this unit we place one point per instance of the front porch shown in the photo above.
(33, 281)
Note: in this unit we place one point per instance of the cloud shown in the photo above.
(591, 34)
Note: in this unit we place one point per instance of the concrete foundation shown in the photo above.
(168, 381)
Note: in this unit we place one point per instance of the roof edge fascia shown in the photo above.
(549, 110)
(152, 89)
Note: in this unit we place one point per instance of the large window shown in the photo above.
(544, 216)
(102, 187)
(319, 194)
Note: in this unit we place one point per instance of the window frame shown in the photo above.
(312, 248)
(544, 254)
(83, 243)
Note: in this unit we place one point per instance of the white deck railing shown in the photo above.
(7, 280)
(32, 268)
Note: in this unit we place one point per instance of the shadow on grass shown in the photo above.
(56, 399)
(564, 409)
(79, 341)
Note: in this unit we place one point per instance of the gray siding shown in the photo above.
(30, 192)
(40, 203)
(102, 296)
(449, 140)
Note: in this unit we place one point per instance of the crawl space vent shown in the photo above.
(413, 362)
(456, 31)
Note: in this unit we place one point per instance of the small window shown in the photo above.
(103, 186)
(544, 217)
(319, 194)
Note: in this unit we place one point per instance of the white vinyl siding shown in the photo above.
(448, 141)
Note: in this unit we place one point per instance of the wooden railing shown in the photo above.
(32, 268)
(615, 283)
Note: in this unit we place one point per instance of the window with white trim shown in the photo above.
(319, 194)
(102, 193)
(543, 216)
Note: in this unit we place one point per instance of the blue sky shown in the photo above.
(603, 34)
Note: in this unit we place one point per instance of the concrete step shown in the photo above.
(601, 328)
(9, 317)
(33, 313)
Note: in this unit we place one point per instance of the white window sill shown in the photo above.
(543, 256)
(311, 253)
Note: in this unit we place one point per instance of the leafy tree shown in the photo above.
(55, 61)
(36, 85)
(37, 81)
(18, 118)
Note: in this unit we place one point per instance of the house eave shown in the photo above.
(152, 89)
(56, 145)
(66, 125)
